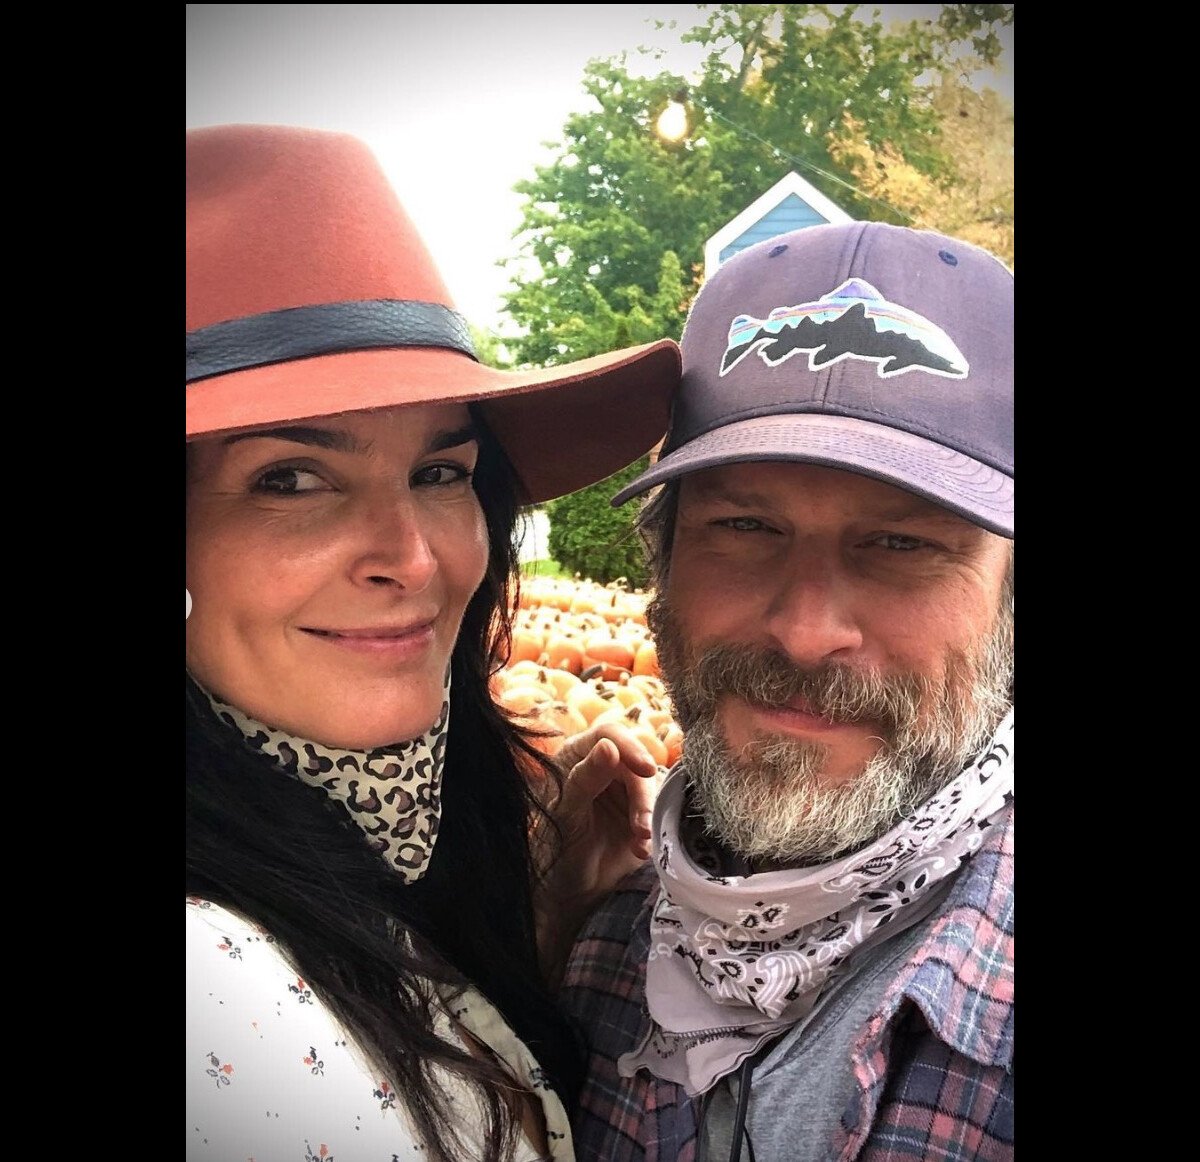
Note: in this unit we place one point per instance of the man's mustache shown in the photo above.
(767, 678)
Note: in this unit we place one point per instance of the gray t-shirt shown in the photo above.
(801, 1083)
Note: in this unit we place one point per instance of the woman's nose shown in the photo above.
(393, 547)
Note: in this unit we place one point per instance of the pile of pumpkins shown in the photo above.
(582, 655)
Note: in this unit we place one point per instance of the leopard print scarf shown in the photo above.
(393, 793)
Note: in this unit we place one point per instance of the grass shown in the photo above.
(546, 567)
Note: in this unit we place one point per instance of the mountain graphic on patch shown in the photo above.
(852, 322)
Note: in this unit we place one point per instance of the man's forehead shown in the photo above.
(760, 484)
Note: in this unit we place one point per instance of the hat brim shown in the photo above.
(563, 428)
(967, 487)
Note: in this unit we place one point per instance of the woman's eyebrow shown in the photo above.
(452, 439)
(333, 441)
(339, 441)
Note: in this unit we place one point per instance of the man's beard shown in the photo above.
(767, 802)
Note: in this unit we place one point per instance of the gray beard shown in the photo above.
(769, 806)
(767, 803)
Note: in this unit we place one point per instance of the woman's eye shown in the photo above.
(288, 481)
(441, 474)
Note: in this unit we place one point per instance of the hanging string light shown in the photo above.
(672, 126)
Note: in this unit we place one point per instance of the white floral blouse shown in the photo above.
(272, 1078)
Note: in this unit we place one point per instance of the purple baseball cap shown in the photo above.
(874, 348)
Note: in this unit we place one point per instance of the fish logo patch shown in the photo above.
(852, 322)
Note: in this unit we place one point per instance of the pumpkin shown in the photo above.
(521, 698)
(564, 651)
(631, 718)
(645, 659)
(527, 644)
(613, 653)
(552, 725)
(671, 736)
(591, 700)
(624, 693)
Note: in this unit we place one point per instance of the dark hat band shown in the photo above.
(326, 329)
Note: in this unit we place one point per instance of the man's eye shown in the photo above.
(899, 542)
(441, 474)
(288, 481)
(742, 524)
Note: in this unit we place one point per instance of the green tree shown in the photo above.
(489, 348)
(977, 201)
(590, 537)
(616, 222)
(778, 87)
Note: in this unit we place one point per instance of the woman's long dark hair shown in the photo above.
(285, 856)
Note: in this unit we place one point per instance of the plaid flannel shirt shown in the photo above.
(934, 1063)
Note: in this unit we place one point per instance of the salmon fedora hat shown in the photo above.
(310, 294)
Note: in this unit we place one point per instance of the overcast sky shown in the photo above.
(455, 100)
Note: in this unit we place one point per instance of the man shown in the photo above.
(818, 962)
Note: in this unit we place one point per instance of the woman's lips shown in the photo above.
(393, 642)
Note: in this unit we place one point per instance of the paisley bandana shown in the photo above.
(393, 793)
(736, 959)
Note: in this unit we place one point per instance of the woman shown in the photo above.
(363, 978)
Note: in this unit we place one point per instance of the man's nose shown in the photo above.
(813, 616)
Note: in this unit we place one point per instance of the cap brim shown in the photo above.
(562, 427)
(967, 487)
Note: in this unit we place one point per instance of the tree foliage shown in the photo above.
(590, 537)
(489, 348)
(976, 201)
(616, 222)
(879, 119)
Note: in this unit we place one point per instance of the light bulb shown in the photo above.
(672, 122)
